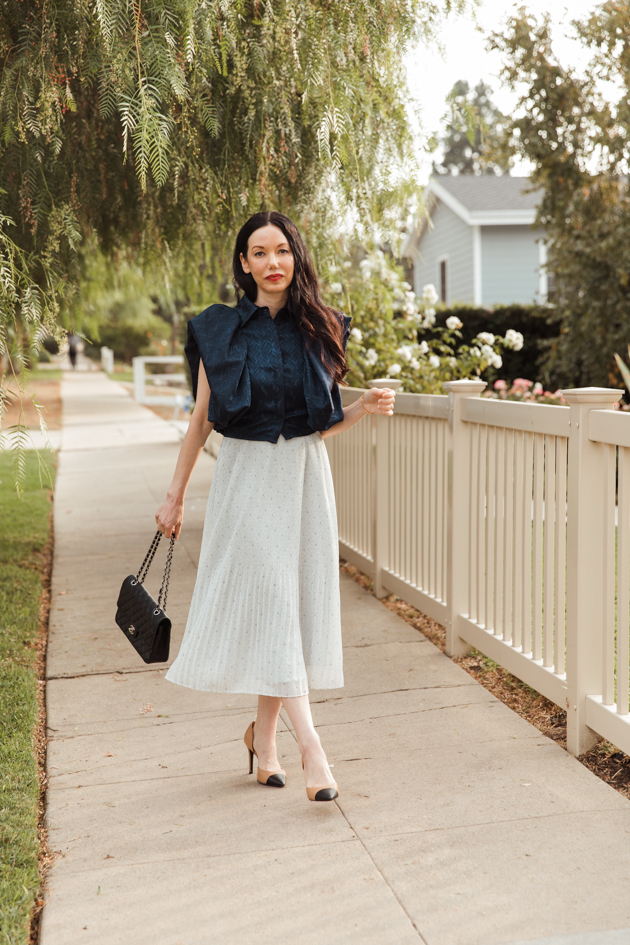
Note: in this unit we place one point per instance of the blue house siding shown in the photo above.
(509, 264)
(448, 237)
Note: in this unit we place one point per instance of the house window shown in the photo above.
(551, 286)
(442, 280)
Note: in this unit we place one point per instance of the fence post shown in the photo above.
(380, 542)
(585, 555)
(458, 512)
(138, 379)
(381, 502)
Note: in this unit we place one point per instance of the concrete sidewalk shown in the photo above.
(457, 822)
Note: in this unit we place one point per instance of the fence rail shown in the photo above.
(510, 524)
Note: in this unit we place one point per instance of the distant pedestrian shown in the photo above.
(73, 347)
(265, 612)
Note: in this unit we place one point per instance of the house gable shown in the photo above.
(510, 265)
(445, 239)
(481, 230)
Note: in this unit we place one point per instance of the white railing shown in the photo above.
(500, 520)
(177, 401)
(140, 378)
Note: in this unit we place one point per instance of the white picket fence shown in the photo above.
(508, 523)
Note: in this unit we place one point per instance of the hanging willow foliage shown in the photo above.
(150, 122)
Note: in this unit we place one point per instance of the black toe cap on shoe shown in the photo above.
(276, 780)
(326, 794)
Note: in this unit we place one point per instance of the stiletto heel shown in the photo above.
(324, 792)
(270, 778)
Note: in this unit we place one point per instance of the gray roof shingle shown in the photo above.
(488, 192)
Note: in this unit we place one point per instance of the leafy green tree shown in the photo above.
(471, 140)
(578, 142)
(114, 308)
(161, 125)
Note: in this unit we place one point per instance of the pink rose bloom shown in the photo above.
(500, 385)
(521, 383)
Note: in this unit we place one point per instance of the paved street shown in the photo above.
(458, 823)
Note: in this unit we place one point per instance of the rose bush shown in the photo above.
(524, 390)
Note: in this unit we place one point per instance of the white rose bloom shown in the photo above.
(414, 364)
(453, 322)
(405, 352)
(476, 353)
(537, 388)
(336, 287)
(356, 334)
(514, 339)
(410, 296)
(452, 362)
(406, 286)
(410, 309)
(434, 361)
(371, 357)
(423, 347)
(388, 276)
(486, 337)
(429, 295)
(394, 369)
(487, 352)
(429, 318)
(497, 361)
(347, 264)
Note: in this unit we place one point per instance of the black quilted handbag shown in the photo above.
(142, 619)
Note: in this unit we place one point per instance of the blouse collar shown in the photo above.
(246, 309)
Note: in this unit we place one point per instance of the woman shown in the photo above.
(264, 617)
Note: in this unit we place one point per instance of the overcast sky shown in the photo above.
(432, 74)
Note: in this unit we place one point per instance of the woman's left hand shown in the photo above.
(380, 400)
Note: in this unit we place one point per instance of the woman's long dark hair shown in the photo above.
(316, 321)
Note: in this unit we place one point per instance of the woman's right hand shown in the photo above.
(170, 515)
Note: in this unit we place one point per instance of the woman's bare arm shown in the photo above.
(379, 400)
(170, 515)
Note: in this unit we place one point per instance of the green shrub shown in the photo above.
(535, 322)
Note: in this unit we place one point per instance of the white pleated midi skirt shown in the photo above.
(265, 614)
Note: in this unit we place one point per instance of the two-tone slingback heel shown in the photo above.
(269, 778)
(324, 792)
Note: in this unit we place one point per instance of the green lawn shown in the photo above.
(50, 374)
(124, 377)
(24, 533)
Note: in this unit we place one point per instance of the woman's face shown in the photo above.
(269, 260)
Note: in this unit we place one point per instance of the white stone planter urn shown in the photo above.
(392, 383)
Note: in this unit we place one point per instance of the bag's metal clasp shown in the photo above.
(132, 629)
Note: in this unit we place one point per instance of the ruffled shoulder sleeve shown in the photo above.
(323, 397)
(215, 339)
(347, 321)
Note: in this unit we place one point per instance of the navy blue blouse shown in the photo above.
(263, 379)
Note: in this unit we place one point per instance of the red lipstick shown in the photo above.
(274, 277)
